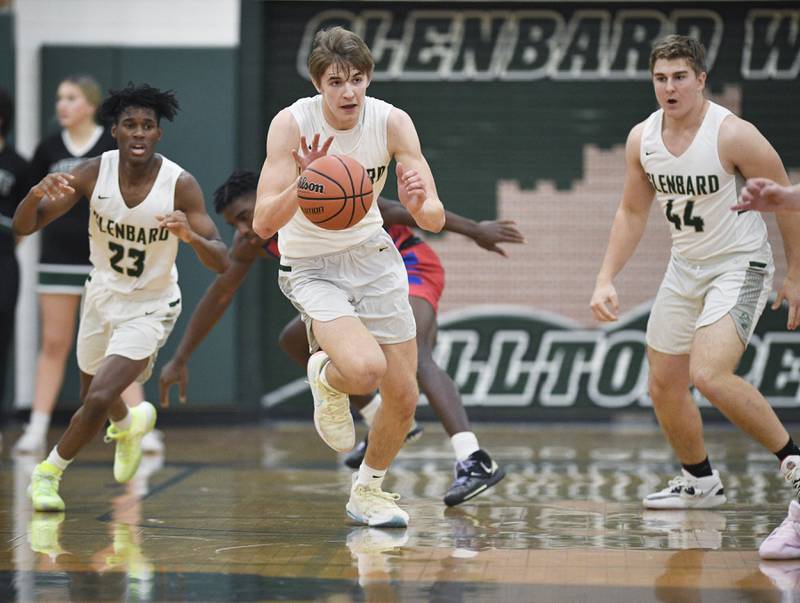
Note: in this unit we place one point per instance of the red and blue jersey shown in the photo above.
(271, 247)
(425, 271)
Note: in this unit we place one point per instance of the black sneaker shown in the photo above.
(474, 475)
(355, 457)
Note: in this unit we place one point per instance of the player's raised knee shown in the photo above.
(364, 373)
(97, 401)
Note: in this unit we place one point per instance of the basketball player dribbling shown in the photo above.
(475, 469)
(717, 281)
(142, 205)
(350, 286)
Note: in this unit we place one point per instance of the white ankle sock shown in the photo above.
(464, 443)
(39, 422)
(370, 410)
(125, 423)
(372, 478)
(55, 459)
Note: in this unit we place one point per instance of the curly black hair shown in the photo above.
(239, 183)
(6, 113)
(163, 103)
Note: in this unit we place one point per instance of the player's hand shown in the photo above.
(604, 296)
(762, 194)
(173, 372)
(178, 224)
(790, 291)
(491, 232)
(310, 152)
(410, 188)
(54, 185)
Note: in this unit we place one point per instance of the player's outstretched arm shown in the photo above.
(276, 199)
(207, 313)
(191, 223)
(53, 196)
(763, 194)
(751, 154)
(626, 230)
(486, 234)
(415, 186)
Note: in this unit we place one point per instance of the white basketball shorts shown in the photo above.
(695, 295)
(368, 282)
(124, 325)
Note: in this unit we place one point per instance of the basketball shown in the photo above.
(334, 192)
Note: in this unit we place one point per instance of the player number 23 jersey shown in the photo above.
(696, 193)
(128, 250)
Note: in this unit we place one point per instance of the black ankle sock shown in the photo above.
(702, 469)
(788, 450)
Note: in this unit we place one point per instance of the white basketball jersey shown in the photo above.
(128, 250)
(367, 144)
(696, 193)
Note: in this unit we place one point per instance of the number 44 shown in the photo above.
(688, 218)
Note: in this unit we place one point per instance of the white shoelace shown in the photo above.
(380, 497)
(682, 482)
(335, 408)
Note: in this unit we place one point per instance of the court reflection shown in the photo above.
(263, 518)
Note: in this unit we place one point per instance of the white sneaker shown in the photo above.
(375, 508)
(332, 416)
(687, 529)
(128, 453)
(784, 541)
(688, 492)
(30, 442)
(153, 442)
(371, 548)
(790, 472)
(785, 577)
(375, 540)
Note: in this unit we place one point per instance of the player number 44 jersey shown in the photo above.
(696, 193)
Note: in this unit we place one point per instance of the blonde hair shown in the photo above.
(341, 47)
(89, 87)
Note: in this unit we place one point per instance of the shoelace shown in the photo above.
(113, 434)
(49, 478)
(380, 495)
(794, 479)
(335, 408)
(464, 470)
(680, 483)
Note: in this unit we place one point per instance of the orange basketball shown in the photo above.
(334, 192)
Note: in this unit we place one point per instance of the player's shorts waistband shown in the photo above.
(379, 237)
(762, 255)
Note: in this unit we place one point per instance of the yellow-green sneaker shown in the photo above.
(43, 489)
(128, 554)
(43, 533)
(129, 442)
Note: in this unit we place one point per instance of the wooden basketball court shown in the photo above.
(257, 513)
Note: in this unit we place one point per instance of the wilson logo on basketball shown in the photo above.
(313, 210)
(314, 187)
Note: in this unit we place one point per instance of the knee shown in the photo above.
(425, 360)
(55, 343)
(96, 403)
(706, 379)
(663, 390)
(364, 374)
